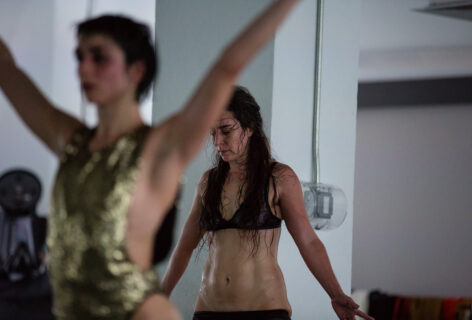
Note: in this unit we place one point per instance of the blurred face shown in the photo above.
(104, 75)
(229, 138)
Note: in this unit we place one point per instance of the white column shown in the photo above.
(190, 36)
(292, 133)
(25, 26)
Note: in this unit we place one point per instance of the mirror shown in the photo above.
(281, 78)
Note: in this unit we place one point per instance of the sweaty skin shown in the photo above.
(236, 277)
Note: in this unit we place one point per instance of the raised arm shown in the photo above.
(188, 241)
(52, 126)
(215, 90)
(311, 248)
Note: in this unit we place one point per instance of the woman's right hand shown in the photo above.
(5, 54)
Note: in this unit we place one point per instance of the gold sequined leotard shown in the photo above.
(91, 273)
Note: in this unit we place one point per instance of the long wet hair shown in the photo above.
(253, 191)
(133, 38)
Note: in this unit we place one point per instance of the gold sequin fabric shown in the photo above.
(91, 273)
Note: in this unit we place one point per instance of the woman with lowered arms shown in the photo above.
(117, 181)
(239, 206)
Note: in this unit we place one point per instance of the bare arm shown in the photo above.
(188, 241)
(215, 90)
(173, 143)
(52, 126)
(311, 248)
(296, 219)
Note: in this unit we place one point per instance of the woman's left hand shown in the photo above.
(347, 309)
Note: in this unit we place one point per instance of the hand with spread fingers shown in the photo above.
(347, 309)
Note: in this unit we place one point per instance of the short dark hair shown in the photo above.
(134, 39)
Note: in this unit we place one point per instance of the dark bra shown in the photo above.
(267, 220)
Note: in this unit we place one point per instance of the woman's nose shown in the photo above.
(84, 67)
(217, 139)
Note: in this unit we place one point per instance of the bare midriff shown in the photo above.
(238, 278)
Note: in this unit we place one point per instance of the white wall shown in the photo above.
(412, 206)
(411, 209)
(398, 42)
(391, 25)
(292, 130)
(26, 26)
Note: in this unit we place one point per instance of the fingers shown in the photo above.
(346, 301)
(349, 302)
(347, 309)
(363, 315)
(352, 304)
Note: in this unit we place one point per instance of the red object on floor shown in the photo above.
(448, 308)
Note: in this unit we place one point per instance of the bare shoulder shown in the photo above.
(204, 177)
(284, 176)
(285, 181)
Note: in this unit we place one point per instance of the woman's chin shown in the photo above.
(90, 97)
(94, 99)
